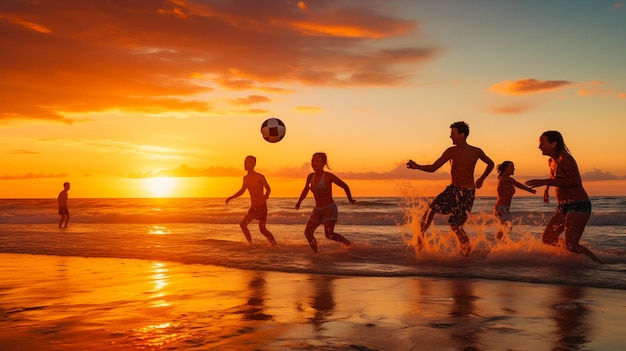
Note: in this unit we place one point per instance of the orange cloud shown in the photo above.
(23, 152)
(26, 24)
(33, 176)
(308, 109)
(56, 62)
(302, 6)
(511, 109)
(250, 100)
(188, 171)
(595, 89)
(527, 86)
(398, 172)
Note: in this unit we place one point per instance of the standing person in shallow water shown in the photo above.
(458, 198)
(64, 212)
(320, 183)
(506, 189)
(573, 205)
(259, 191)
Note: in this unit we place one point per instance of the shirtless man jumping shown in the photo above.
(458, 198)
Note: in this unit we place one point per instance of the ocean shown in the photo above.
(206, 231)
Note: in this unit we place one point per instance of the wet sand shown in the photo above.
(75, 303)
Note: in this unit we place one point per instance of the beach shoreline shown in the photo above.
(79, 303)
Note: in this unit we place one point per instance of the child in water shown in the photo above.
(506, 189)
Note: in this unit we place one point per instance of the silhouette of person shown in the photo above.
(320, 183)
(64, 212)
(259, 190)
(458, 198)
(574, 207)
(506, 190)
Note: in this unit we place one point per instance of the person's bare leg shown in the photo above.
(267, 233)
(575, 223)
(329, 231)
(427, 219)
(463, 239)
(555, 227)
(308, 233)
(244, 227)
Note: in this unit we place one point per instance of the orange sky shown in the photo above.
(111, 95)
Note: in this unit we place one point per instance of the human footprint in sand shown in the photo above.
(458, 198)
(259, 191)
(506, 190)
(321, 183)
(574, 207)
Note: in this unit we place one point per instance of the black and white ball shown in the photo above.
(273, 130)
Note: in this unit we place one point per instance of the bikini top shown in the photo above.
(320, 186)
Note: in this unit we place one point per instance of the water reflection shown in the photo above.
(255, 307)
(160, 279)
(323, 301)
(163, 329)
(570, 316)
(463, 312)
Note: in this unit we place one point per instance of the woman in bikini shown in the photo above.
(574, 207)
(506, 190)
(325, 211)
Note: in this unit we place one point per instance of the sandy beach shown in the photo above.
(75, 303)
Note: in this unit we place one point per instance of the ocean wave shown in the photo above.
(377, 251)
(390, 218)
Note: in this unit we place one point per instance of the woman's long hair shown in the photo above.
(552, 136)
(502, 167)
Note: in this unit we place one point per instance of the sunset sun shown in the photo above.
(160, 186)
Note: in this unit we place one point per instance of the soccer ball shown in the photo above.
(273, 130)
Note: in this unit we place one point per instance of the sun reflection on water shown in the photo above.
(160, 279)
(159, 229)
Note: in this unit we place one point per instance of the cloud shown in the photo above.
(23, 152)
(527, 86)
(398, 172)
(307, 109)
(293, 172)
(598, 89)
(597, 174)
(61, 58)
(33, 176)
(511, 109)
(112, 146)
(250, 100)
(188, 171)
(25, 24)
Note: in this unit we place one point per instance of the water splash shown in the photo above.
(439, 241)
